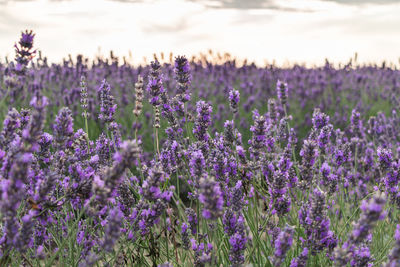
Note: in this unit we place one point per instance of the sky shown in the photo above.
(264, 31)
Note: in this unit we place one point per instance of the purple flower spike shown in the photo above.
(394, 256)
(234, 97)
(107, 103)
(211, 197)
(202, 121)
(24, 52)
(282, 245)
(282, 91)
(182, 75)
(355, 250)
(155, 86)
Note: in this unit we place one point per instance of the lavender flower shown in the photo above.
(272, 112)
(230, 221)
(280, 201)
(114, 128)
(202, 121)
(11, 125)
(211, 197)
(23, 51)
(34, 128)
(150, 216)
(316, 224)
(282, 91)
(24, 238)
(112, 230)
(202, 253)
(182, 75)
(80, 145)
(126, 198)
(139, 97)
(84, 97)
(234, 97)
(238, 245)
(12, 188)
(329, 179)
(197, 165)
(309, 153)
(372, 211)
(281, 130)
(107, 103)
(24, 117)
(394, 256)
(63, 127)
(229, 133)
(342, 154)
(324, 136)
(168, 113)
(185, 236)
(192, 220)
(282, 245)
(385, 158)
(155, 86)
(354, 250)
(361, 256)
(103, 187)
(356, 124)
(103, 150)
(156, 117)
(259, 138)
(319, 119)
(151, 186)
(371, 126)
(236, 197)
(300, 261)
(45, 144)
(170, 156)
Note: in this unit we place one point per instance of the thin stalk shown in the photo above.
(351, 217)
(157, 143)
(136, 120)
(87, 131)
(178, 187)
(382, 254)
(5, 96)
(293, 152)
(166, 236)
(154, 140)
(355, 160)
(26, 260)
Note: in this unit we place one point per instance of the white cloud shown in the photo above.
(292, 30)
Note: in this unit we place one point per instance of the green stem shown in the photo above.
(354, 213)
(136, 120)
(5, 96)
(87, 131)
(166, 236)
(381, 256)
(293, 152)
(157, 143)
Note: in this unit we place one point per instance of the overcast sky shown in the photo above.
(302, 31)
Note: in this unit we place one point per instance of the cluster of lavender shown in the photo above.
(309, 88)
(14, 74)
(312, 216)
(188, 182)
(356, 249)
(24, 52)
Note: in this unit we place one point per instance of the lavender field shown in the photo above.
(197, 162)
